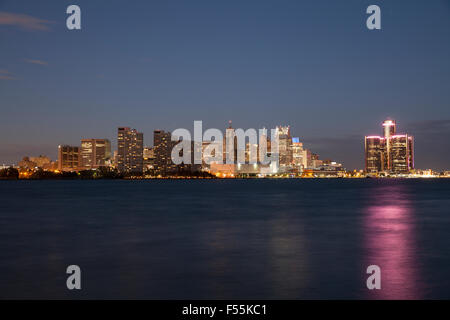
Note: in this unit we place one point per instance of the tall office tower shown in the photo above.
(374, 153)
(401, 153)
(391, 152)
(68, 158)
(230, 149)
(130, 145)
(94, 153)
(162, 145)
(389, 129)
(284, 148)
(299, 158)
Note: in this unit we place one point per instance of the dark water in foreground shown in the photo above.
(252, 239)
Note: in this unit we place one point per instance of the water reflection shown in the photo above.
(390, 243)
(290, 273)
(262, 258)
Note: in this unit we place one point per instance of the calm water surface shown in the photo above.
(252, 239)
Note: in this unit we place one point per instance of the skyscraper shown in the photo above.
(68, 158)
(162, 146)
(299, 156)
(401, 153)
(130, 145)
(374, 153)
(284, 148)
(389, 129)
(391, 152)
(230, 145)
(94, 153)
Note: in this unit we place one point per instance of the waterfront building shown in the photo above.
(130, 145)
(68, 158)
(284, 148)
(149, 158)
(401, 156)
(391, 152)
(299, 155)
(162, 148)
(223, 170)
(34, 162)
(41, 161)
(374, 154)
(95, 153)
(230, 150)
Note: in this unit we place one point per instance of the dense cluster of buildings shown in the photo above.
(133, 158)
(293, 159)
(391, 154)
(92, 154)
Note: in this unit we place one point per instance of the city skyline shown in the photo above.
(386, 154)
(225, 158)
(158, 65)
(113, 147)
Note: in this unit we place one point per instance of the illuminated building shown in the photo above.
(162, 146)
(68, 158)
(374, 153)
(249, 169)
(315, 162)
(401, 156)
(41, 161)
(149, 158)
(230, 150)
(115, 159)
(34, 162)
(389, 128)
(309, 158)
(94, 153)
(130, 145)
(327, 169)
(284, 148)
(391, 153)
(299, 155)
(250, 150)
(223, 170)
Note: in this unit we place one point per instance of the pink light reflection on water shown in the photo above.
(390, 243)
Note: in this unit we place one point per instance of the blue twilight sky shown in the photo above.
(163, 64)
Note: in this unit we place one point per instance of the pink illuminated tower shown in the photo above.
(389, 131)
(391, 152)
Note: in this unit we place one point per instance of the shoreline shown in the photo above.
(216, 178)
